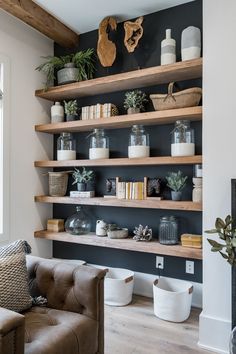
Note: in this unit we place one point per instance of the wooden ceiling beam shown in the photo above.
(35, 16)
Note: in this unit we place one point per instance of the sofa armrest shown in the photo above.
(12, 332)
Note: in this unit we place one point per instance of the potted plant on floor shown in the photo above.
(71, 109)
(70, 68)
(84, 179)
(176, 181)
(134, 101)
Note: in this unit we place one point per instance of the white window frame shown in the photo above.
(5, 148)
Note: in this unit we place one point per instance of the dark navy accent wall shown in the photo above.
(146, 55)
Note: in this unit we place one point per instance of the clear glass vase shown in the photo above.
(168, 230)
(182, 140)
(138, 142)
(66, 147)
(99, 145)
(78, 223)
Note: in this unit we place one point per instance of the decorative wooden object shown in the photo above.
(153, 246)
(35, 16)
(55, 225)
(133, 33)
(106, 49)
(186, 70)
(190, 240)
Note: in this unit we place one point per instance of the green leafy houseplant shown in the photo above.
(83, 176)
(176, 181)
(227, 235)
(71, 107)
(135, 99)
(83, 60)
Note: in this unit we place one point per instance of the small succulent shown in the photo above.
(142, 233)
(226, 233)
(71, 107)
(176, 181)
(135, 99)
(83, 176)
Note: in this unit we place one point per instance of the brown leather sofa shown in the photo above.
(72, 321)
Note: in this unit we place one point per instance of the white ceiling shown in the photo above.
(84, 16)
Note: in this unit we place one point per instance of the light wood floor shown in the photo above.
(134, 329)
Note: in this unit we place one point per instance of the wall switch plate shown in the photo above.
(159, 262)
(189, 267)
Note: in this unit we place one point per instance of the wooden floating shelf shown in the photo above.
(124, 121)
(123, 203)
(125, 244)
(160, 160)
(184, 70)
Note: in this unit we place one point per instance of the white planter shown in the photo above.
(98, 153)
(183, 149)
(136, 151)
(172, 299)
(66, 155)
(118, 287)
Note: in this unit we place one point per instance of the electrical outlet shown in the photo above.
(189, 267)
(159, 262)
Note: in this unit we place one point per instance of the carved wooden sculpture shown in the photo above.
(106, 49)
(133, 33)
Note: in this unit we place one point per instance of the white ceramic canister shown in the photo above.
(197, 190)
(57, 113)
(168, 49)
(101, 228)
(191, 43)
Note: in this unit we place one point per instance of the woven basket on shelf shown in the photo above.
(58, 183)
(185, 98)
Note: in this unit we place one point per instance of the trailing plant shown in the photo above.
(227, 234)
(71, 107)
(176, 181)
(83, 176)
(135, 99)
(83, 60)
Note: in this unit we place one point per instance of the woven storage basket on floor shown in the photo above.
(185, 98)
(58, 183)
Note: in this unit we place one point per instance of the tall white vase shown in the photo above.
(57, 113)
(168, 49)
(191, 43)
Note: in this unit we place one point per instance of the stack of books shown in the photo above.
(84, 194)
(130, 190)
(99, 111)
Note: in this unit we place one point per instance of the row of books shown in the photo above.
(130, 190)
(99, 111)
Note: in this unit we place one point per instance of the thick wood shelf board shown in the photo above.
(123, 203)
(124, 121)
(125, 244)
(184, 70)
(161, 160)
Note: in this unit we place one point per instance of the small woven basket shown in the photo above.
(185, 98)
(58, 183)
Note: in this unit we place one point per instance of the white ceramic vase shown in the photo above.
(191, 43)
(168, 49)
(57, 113)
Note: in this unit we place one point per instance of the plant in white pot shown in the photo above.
(84, 179)
(134, 101)
(70, 68)
(71, 108)
(176, 181)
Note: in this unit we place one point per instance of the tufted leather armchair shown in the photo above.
(73, 320)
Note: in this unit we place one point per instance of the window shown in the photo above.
(4, 147)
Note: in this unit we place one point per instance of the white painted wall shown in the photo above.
(24, 47)
(219, 146)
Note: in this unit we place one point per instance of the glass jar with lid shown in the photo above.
(168, 230)
(78, 223)
(66, 147)
(99, 145)
(139, 145)
(182, 140)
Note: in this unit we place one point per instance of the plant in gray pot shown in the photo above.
(84, 179)
(176, 181)
(70, 68)
(134, 101)
(71, 109)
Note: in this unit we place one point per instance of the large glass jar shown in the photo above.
(78, 223)
(138, 142)
(66, 147)
(182, 141)
(168, 230)
(99, 145)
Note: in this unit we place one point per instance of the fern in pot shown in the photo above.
(84, 179)
(134, 101)
(70, 68)
(176, 181)
(71, 109)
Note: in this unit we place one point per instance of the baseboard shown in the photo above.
(214, 334)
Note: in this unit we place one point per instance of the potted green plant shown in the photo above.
(84, 179)
(176, 181)
(70, 68)
(71, 108)
(134, 101)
